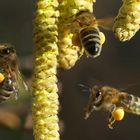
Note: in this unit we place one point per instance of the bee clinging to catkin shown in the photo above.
(112, 100)
(91, 39)
(11, 80)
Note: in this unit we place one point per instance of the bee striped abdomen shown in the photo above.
(132, 104)
(90, 40)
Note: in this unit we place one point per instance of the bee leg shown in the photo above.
(81, 52)
(76, 42)
(4, 95)
(111, 121)
(16, 92)
(87, 114)
(16, 95)
(13, 85)
(3, 98)
(10, 87)
(90, 108)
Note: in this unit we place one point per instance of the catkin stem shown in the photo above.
(45, 99)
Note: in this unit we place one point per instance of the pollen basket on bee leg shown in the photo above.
(102, 37)
(1, 77)
(118, 114)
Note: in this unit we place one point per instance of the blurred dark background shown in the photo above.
(117, 66)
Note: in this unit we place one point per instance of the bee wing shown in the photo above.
(22, 86)
(106, 23)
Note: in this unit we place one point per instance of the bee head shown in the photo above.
(85, 18)
(6, 51)
(95, 100)
(96, 95)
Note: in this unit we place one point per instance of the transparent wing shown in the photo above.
(106, 23)
(21, 84)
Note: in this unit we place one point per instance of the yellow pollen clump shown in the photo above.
(118, 114)
(102, 37)
(1, 77)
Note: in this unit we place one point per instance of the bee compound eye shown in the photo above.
(98, 93)
(7, 51)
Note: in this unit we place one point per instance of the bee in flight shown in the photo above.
(110, 99)
(91, 38)
(13, 82)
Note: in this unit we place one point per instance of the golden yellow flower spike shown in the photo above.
(45, 99)
(69, 50)
(1, 77)
(127, 23)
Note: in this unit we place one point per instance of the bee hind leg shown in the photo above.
(117, 114)
(111, 121)
(81, 52)
(77, 42)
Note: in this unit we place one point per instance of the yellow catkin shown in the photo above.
(118, 114)
(68, 50)
(1, 77)
(127, 23)
(45, 99)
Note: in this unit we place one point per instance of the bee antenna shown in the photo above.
(87, 88)
(82, 85)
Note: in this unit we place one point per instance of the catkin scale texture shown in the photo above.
(127, 23)
(45, 99)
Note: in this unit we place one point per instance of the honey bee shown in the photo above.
(91, 38)
(13, 82)
(109, 99)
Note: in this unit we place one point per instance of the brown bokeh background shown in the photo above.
(118, 66)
